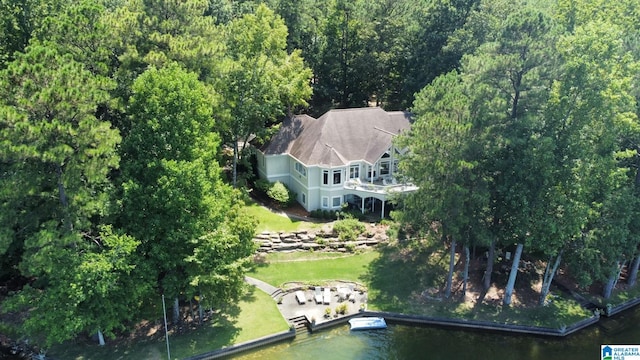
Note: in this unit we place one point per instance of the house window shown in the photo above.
(304, 199)
(300, 168)
(354, 172)
(395, 166)
(325, 177)
(384, 168)
(371, 172)
(325, 202)
(337, 177)
(336, 201)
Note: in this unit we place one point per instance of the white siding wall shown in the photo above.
(282, 168)
(331, 190)
(315, 176)
(262, 171)
(276, 168)
(298, 182)
(314, 199)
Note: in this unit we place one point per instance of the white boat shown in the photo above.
(367, 323)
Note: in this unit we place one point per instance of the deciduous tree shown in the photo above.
(259, 81)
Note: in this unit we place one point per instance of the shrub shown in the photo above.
(348, 229)
(279, 193)
(262, 185)
(327, 312)
(354, 213)
(350, 247)
(323, 214)
(386, 222)
(341, 309)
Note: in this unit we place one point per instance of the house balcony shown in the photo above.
(381, 186)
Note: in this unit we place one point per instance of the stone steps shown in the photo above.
(274, 295)
(300, 323)
(305, 241)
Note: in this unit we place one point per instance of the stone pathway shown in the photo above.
(268, 288)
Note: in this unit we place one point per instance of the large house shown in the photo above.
(344, 156)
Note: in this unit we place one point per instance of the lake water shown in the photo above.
(435, 343)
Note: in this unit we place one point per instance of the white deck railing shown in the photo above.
(378, 188)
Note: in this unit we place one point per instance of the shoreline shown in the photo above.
(418, 320)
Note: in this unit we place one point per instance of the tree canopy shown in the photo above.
(551, 109)
(116, 118)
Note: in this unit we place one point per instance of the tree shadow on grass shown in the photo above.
(400, 272)
(221, 332)
(148, 342)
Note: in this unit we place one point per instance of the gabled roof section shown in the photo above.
(289, 131)
(339, 136)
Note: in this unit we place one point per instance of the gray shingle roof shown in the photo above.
(339, 136)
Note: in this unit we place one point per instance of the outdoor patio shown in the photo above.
(291, 308)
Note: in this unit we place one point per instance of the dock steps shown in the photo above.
(277, 293)
(300, 323)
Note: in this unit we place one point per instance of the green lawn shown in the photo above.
(314, 268)
(392, 280)
(255, 316)
(391, 274)
(270, 221)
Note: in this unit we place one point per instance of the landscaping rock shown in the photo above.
(304, 238)
(289, 240)
(322, 239)
(287, 247)
(311, 246)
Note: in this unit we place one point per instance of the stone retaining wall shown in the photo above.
(406, 320)
(485, 325)
(312, 240)
(414, 320)
(267, 340)
(613, 310)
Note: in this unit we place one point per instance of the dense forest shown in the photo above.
(531, 144)
(117, 118)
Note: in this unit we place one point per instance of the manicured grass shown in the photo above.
(391, 274)
(394, 281)
(255, 316)
(270, 221)
(314, 269)
(304, 256)
(393, 278)
(399, 272)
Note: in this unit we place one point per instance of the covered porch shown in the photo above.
(373, 196)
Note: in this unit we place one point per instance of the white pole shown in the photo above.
(166, 330)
